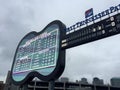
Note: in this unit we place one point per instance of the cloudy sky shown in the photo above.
(19, 17)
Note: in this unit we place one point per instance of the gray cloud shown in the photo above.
(96, 59)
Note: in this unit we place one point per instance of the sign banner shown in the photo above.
(89, 17)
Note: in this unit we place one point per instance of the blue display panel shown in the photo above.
(37, 53)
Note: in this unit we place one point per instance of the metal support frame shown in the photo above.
(51, 85)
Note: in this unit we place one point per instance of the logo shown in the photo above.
(89, 13)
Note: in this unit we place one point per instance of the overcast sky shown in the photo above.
(19, 17)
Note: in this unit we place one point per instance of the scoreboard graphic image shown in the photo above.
(42, 54)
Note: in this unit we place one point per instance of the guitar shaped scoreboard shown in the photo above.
(39, 55)
(42, 54)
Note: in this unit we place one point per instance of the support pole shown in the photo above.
(51, 85)
(20, 87)
(25, 87)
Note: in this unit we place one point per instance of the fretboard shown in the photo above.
(99, 30)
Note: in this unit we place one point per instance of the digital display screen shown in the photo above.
(37, 53)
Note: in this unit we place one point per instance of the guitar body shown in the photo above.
(40, 55)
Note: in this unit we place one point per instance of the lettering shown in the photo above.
(112, 9)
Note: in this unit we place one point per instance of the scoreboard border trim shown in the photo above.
(60, 62)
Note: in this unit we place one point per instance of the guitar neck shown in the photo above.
(102, 29)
